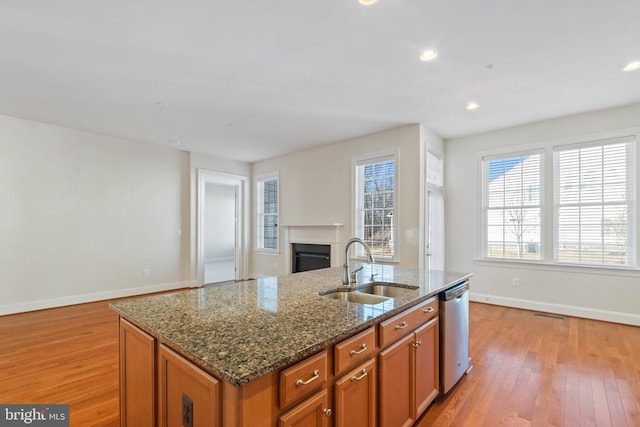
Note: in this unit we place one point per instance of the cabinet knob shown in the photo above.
(327, 412)
(417, 344)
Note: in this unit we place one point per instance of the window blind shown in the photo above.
(375, 205)
(512, 197)
(594, 202)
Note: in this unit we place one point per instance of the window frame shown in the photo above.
(260, 180)
(630, 200)
(485, 160)
(358, 203)
(549, 220)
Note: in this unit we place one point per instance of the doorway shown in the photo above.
(434, 229)
(221, 227)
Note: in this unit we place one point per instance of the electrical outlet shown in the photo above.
(187, 411)
(515, 281)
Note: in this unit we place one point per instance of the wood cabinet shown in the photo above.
(355, 397)
(187, 396)
(303, 378)
(409, 368)
(312, 412)
(386, 375)
(427, 373)
(396, 384)
(137, 377)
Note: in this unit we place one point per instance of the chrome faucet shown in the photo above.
(346, 278)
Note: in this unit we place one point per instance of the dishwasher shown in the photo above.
(454, 335)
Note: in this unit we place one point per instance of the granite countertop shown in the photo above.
(241, 331)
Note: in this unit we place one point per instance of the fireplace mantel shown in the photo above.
(322, 234)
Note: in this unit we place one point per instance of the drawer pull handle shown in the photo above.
(356, 352)
(327, 412)
(402, 325)
(364, 374)
(315, 376)
(429, 310)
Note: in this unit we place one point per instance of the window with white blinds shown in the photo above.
(512, 206)
(267, 212)
(594, 202)
(375, 190)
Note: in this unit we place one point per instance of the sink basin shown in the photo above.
(386, 290)
(357, 297)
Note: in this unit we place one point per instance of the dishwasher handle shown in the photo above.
(456, 291)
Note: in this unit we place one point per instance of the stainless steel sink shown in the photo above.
(385, 289)
(373, 293)
(357, 297)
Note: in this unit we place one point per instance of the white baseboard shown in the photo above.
(79, 299)
(568, 310)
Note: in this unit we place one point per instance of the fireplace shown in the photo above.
(306, 256)
(322, 235)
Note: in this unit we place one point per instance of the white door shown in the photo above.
(434, 239)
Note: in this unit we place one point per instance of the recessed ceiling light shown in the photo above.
(428, 55)
(367, 2)
(631, 66)
(472, 106)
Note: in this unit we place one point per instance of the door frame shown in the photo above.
(241, 184)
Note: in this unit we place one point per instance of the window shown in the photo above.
(375, 205)
(594, 204)
(267, 211)
(512, 206)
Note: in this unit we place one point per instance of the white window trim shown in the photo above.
(259, 238)
(547, 262)
(358, 253)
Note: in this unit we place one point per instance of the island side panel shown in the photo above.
(252, 404)
(137, 377)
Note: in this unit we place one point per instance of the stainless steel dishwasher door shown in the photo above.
(454, 335)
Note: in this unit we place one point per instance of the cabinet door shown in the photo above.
(355, 397)
(137, 377)
(312, 412)
(188, 396)
(426, 365)
(396, 384)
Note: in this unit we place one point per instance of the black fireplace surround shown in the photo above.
(307, 257)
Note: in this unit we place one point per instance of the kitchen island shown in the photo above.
(242, 340)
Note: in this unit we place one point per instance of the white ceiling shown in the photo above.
(253, 79)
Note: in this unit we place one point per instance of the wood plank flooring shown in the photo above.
(528, 370)
(63, 355)
(533, 370)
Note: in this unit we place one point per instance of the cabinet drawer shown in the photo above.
(354, 350)
(303, 378)
(404, 323)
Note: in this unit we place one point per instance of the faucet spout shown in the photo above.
(346, 278)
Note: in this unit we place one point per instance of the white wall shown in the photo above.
(587, 292)
(316, 189)
(82, 215)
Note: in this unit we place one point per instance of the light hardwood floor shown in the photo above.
(528, 370)
(532, 370)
